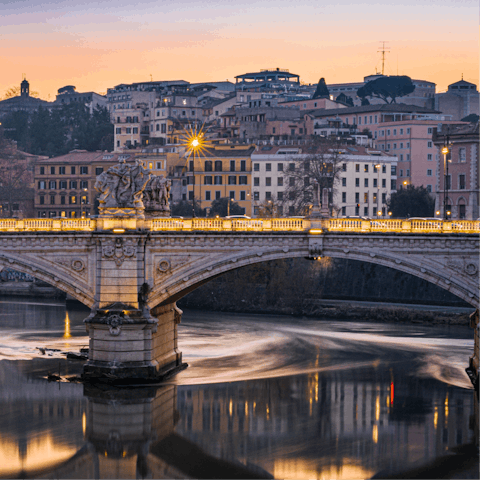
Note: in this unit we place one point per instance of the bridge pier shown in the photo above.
(130, 344)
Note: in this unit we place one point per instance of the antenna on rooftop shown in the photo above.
(383, 51)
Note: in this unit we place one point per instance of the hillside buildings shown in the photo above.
(460, 100)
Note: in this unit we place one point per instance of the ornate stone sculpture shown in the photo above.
(156, 196)
(128, 190)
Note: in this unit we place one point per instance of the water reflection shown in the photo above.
(379, 412)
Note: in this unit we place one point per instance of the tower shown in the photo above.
(24, 88)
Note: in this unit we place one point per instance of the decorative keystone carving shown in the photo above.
(115, 322)
(118, 252)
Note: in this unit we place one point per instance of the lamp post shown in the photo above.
(445, 151)
(377, 167)
(194, 145)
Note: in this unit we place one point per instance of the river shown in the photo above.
(263, 396)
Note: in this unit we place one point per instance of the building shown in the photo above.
(457, 187)
(268, 79)
(64, 185)
(460, 100)
(366, 178)
(23, 102)
(219, 172)
(92, 100)
(422, 96)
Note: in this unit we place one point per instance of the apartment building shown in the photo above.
(221, 171)
(64, 185)
(457, 187)
(366, 178)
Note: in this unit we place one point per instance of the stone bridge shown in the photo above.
(131, 271)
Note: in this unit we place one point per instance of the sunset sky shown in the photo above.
(95, 45)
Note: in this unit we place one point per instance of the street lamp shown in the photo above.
(377, 167)
(445, 151)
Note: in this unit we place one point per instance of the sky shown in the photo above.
(96, 45)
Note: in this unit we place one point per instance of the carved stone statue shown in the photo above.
(129, 190)
(156, 196)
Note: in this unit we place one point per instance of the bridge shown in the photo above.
(130, 270)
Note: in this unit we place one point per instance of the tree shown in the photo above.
(16, 177)
(411, 202)
(387, 88)
(220, 207)
(15, 92)
(322, 162)
(185, 209)
(269, 209)
(321, 90)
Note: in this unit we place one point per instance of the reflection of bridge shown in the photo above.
(130, 271)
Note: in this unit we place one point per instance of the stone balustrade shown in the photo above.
(242, 225)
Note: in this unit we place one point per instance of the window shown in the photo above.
(374, 197)
(430, 144)
(207, 180)
(279, 181)
(408, 172)
(365, 182)
(384, 183)
(344, 211)
(357, 167)
(52, 185)
(163, 128)
(401, 172)
(268, 167)
(449, 182)
(190, 165)
(359, 120)
(256, 167)
(207, 195)
(73, 184)
(256, 181)
(344, 197)
(429, 188)
(62, 200)
(429, 173)
(462, 155)
(243, 165)
(72, 199)
(279, 167)
(135, 129)
(84, 184)
(394, 146)
(357, 197)
(232, 180)
(388, 146)
(98, 170)
(365, 197)
(408, 157)
(344, 182)
(393, 185)
(388, 132)
(217, 180)
(218, 166)
(394, 131)
(72, 170)
(268, 181)
(190, 195)
(461, 182)
(430, 130)
(157, 127)
(52, 170)
(357, 182)
(291, 181)
(118, 130)
(208, 165)
(62, 184)
(42, 171)
(401, 145)
(375, 183)
(408, 131)
(401, 131)
(429, 156)
(83, 170)
(232, 165)
(128, 130)
(217, 194)
(84, 200)
(344, 167)
(365, 167)
(408, 145)
(232, 195)
(242, 180)
(256, 195)
(291, 167)
(42, 200)
(268, 195)
(382, 133)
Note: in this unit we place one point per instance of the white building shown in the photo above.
(366, 179)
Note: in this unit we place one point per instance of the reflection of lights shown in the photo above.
(375, 434)
(435, 418)
(230, 408)
(446, 409)
(377, 408)
(391, 393)
(246, 409)
(67, 333)
(268, 413)
(84, 423)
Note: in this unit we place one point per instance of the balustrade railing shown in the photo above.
(413, 225)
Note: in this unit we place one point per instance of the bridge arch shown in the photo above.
(188, 280)
(49, 273)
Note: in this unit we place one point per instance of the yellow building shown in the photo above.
(221, 171)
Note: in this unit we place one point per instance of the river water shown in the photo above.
(263, 396)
